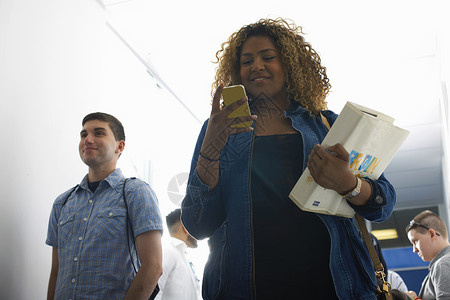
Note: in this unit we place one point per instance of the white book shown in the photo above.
(370, 138)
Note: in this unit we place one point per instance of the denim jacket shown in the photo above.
(223, 214)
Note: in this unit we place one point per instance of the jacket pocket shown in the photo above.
(216, 269)
(110, 222)
(65, 229)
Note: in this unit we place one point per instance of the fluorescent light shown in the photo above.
(385, 234)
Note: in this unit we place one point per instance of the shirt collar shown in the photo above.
(441, 253)
(179, 244)
(297, 110)
(113, 180)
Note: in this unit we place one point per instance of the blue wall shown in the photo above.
(408, 265)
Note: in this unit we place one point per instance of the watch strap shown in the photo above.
(355, 191)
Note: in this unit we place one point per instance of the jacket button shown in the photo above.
(379, 199)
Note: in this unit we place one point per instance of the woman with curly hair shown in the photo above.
(262, 246)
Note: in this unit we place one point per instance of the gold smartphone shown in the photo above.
(232, 94)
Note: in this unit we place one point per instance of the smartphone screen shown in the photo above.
(232, 94)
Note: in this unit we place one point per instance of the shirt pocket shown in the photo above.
(65, 226)
(110, 223)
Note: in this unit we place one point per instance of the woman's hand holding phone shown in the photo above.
(220, 127)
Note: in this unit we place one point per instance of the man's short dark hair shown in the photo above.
(430, 220)
(115, 125)
(173, 220)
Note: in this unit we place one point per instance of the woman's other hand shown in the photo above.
(330, 169)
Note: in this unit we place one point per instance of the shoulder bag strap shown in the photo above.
(384, 287)
(362, 226)
(369, 245)
(378, 266)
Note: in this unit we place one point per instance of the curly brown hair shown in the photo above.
(306, 79)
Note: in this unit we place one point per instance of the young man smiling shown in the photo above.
(91, 225)
(428, 235)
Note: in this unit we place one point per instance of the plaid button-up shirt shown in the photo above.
(90, 232)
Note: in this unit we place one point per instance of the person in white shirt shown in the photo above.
(396, 281)
(178, 280)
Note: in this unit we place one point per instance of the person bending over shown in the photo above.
(178, 281)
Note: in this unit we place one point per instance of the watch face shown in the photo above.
(351, 195)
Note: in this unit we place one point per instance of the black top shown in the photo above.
(93, 185)
(291, 246)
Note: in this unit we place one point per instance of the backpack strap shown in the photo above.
(156, 290)
(67, 198)
(129, 225)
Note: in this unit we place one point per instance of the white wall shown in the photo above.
(47, 83)
(59, 62)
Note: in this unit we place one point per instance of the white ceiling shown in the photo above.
(391, 56)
